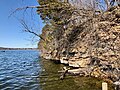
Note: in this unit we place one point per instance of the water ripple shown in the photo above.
(19, 70)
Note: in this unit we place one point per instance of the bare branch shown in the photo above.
(23, 23)
(23, 8)
(27, 29)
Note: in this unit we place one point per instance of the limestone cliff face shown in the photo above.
(94, 43)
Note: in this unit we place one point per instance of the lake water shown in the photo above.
(25, 70)
(19, 70)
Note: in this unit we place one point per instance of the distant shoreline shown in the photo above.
(1, 48)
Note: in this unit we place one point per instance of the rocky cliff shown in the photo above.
(88, 42)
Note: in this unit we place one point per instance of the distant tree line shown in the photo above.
(3, 48)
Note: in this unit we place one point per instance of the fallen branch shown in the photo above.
(64, 73)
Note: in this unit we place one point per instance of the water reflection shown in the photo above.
(49, 79)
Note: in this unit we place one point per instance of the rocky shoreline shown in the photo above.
(94, 49)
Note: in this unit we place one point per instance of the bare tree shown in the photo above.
(23, 23)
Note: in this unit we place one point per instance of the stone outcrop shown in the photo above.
(93, 47)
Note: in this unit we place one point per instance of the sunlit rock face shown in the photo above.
(94, 44)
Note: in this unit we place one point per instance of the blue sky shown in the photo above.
(11, 31)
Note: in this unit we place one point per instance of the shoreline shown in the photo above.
(18, 49)
(91, 71)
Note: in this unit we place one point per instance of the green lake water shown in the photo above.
(50, 79)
